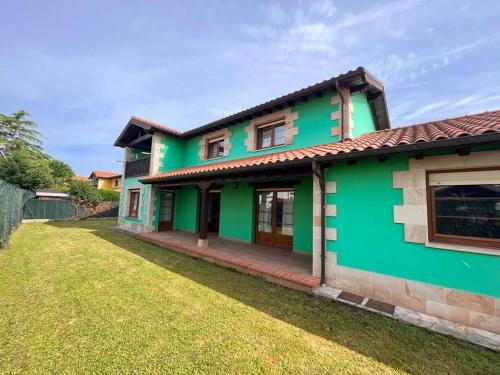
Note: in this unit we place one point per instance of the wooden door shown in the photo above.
(166, 213)
(214, 212)
(274, 218)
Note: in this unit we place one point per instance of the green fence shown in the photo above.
(12, 201)
(65, 210)
(49, 209)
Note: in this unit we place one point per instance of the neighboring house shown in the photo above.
(44, 194)
(408, 216)
(106, 180)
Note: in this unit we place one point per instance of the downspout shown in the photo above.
(319, 172)
(342, 104)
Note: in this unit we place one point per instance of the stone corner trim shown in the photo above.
(413, 213)
(330, 232)
(221, 133)
(331, 187)
(290, 129)
(157, 154)
(347, 115)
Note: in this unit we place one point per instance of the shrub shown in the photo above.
(109, 195)
(84, 192)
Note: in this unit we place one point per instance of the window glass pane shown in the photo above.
(284, 213)
(265, 135)
(212, 150)
(264, 214)
(279, 134)
(468, 210)
(215, 149)
(220, 148)
(134, 203)
(166, 200)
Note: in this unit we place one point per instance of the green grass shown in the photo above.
(78, 297)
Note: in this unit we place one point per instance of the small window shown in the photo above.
(116, 182)
(464, 207)
(271, 135)
(133, 210)
(215, 148)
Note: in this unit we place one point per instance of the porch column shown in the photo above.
(205, 191)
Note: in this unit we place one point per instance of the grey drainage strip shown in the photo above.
(480, 337)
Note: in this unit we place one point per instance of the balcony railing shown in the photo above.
(136, 168)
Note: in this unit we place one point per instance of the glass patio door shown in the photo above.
(274, 218)
(166, 216)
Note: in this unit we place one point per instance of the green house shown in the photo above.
(406, 217)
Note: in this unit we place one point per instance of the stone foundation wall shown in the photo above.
(130, 226)
(460, 307)
(90, 210)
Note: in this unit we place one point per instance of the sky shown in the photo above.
(82, 68)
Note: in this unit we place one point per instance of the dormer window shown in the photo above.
(271, 135)
(215, 148)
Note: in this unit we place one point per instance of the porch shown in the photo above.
(278, 266)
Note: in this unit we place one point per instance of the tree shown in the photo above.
(19, 168)
(82, 191)
(17, 132)
(62, 173)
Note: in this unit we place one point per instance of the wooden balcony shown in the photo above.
(137, 168)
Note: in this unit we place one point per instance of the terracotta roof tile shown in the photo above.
(103, 174)
(471, 125)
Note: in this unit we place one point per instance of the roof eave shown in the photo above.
(423, 147)
(136, 122)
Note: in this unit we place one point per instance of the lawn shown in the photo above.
(79, 297)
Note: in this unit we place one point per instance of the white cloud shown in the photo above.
(426, 109)
(467, 100)
(488, 100)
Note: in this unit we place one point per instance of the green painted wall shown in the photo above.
(173, 151)
(314, 127)
(127, 183)
(237, 212)
(303, 216)
(186, 209)
(368, 238)
(362, 116)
